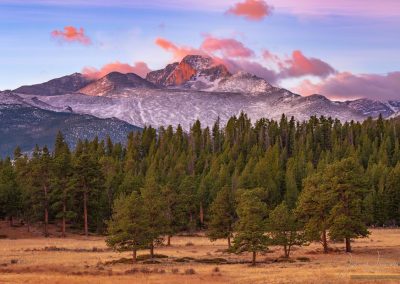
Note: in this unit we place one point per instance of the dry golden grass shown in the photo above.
(377, 255)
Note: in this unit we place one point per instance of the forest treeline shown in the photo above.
(286, 182)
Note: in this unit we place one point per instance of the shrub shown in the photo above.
(303, 259)
(190, 271)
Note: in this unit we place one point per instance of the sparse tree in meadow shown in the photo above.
(348, 187)
(155, 211)
(222, 216)
(284, 228)
(251, 226)
(128, 229)
(314, 205)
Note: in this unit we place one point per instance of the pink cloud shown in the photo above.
(139, 68)
(251, 67)
(237, 57)
(178, 52)
(298, 65)
(345, 86)
(72, 34)
(254, 10)
(228, 47)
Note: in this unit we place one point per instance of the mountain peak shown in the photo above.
(59, 86)
(198, 62)
(191, 70)
(115, 81)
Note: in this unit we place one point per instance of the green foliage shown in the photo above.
(10, 194)
(128, 228)
(347, 185)
(155, 210)
(285, 229)
(222, 212)
(251, 226)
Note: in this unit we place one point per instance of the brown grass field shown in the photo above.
(29, 258)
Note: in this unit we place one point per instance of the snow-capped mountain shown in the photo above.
(193, 72)
(59, 86)
(114, 82)
(160, 107)
(374, 108)
(195, 88)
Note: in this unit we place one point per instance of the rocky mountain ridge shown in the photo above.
(195, 88)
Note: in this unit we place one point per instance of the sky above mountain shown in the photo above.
(342, 49)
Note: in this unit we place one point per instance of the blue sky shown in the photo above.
(359, 42)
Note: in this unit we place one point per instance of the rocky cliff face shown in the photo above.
(160, 76)
(189, 72)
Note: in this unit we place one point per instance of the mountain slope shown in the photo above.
(115, 81)
(161, 107)
(373, 108)
(59, 86)
(24, 125)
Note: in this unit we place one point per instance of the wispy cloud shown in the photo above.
(346, 86)
(298, 65)
(178, 52)
(227, 47)
(139, 68)
(366, 8)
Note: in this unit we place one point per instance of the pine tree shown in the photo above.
(128, 228)
(313, 208)
(10, 195)
(285, 229)
(87, 181)
(251, 226)
(291, 184)
(222, 216)
(155, 211)
(348, 187)
(393, 193)
(61, 175)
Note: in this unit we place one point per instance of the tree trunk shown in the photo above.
(201, 213)
(324, 241)
(85, 213)
(46, 212)
(134, 256)
(348, 245)
(63, 218)
(169, 240)
(229, 242)
(152, 250)
(286, 251)
(11, 221)
(29, 226)
(253, 261)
